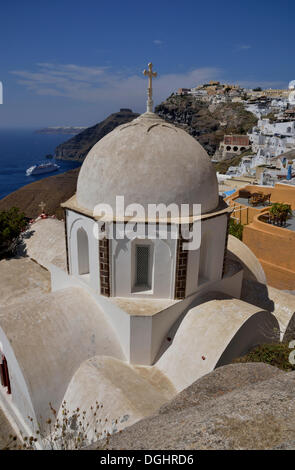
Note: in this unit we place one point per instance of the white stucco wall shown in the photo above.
(163, 255)
(206, 263)
(283, 128)
(141, 336)
(18, 404)
(76, 221)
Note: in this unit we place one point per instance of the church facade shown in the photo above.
(130, 318)
(121, 270)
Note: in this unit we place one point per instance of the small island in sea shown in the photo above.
(61, 130)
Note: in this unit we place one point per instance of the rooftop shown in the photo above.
(142, 307)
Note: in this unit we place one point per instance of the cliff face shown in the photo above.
(207, 124)
(232, 408)
(78, 146)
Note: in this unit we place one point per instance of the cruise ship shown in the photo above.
(38, 169)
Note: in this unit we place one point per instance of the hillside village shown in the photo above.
(267, 149)
(248, 133)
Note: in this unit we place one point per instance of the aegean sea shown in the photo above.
(22, 148)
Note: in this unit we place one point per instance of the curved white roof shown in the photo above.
(212, 334)
(238, 251)
(45, 240)
(147, 161)
(51, 336)
(127, 393)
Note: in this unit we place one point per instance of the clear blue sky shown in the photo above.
(71, 62)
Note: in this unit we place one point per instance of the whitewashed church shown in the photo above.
(129, 322)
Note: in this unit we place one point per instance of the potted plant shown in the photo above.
(279, 213)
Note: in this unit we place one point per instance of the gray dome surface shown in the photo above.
(148, 161)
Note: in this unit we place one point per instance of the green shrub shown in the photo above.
(235, 229)
(278, 208)
(274, 354)
(12, 223)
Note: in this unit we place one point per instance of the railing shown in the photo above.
(240, 209)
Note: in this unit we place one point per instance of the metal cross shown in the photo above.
(150, 74)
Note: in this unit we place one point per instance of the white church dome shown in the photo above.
(148, 161)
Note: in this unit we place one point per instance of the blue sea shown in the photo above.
(20, 149)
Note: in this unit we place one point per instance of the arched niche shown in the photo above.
(82, 252)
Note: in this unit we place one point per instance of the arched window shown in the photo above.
(83, 251)
(4, 374)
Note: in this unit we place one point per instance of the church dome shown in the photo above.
(148, 161)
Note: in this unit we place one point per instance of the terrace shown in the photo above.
(246, 202)
(252, 200)
(290, 222)
(270, 234)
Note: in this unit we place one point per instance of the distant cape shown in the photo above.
(78, 146)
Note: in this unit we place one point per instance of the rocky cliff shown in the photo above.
(207, 124)
(235, 407)
(78, 146)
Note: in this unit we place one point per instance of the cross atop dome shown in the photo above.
(150, 74)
